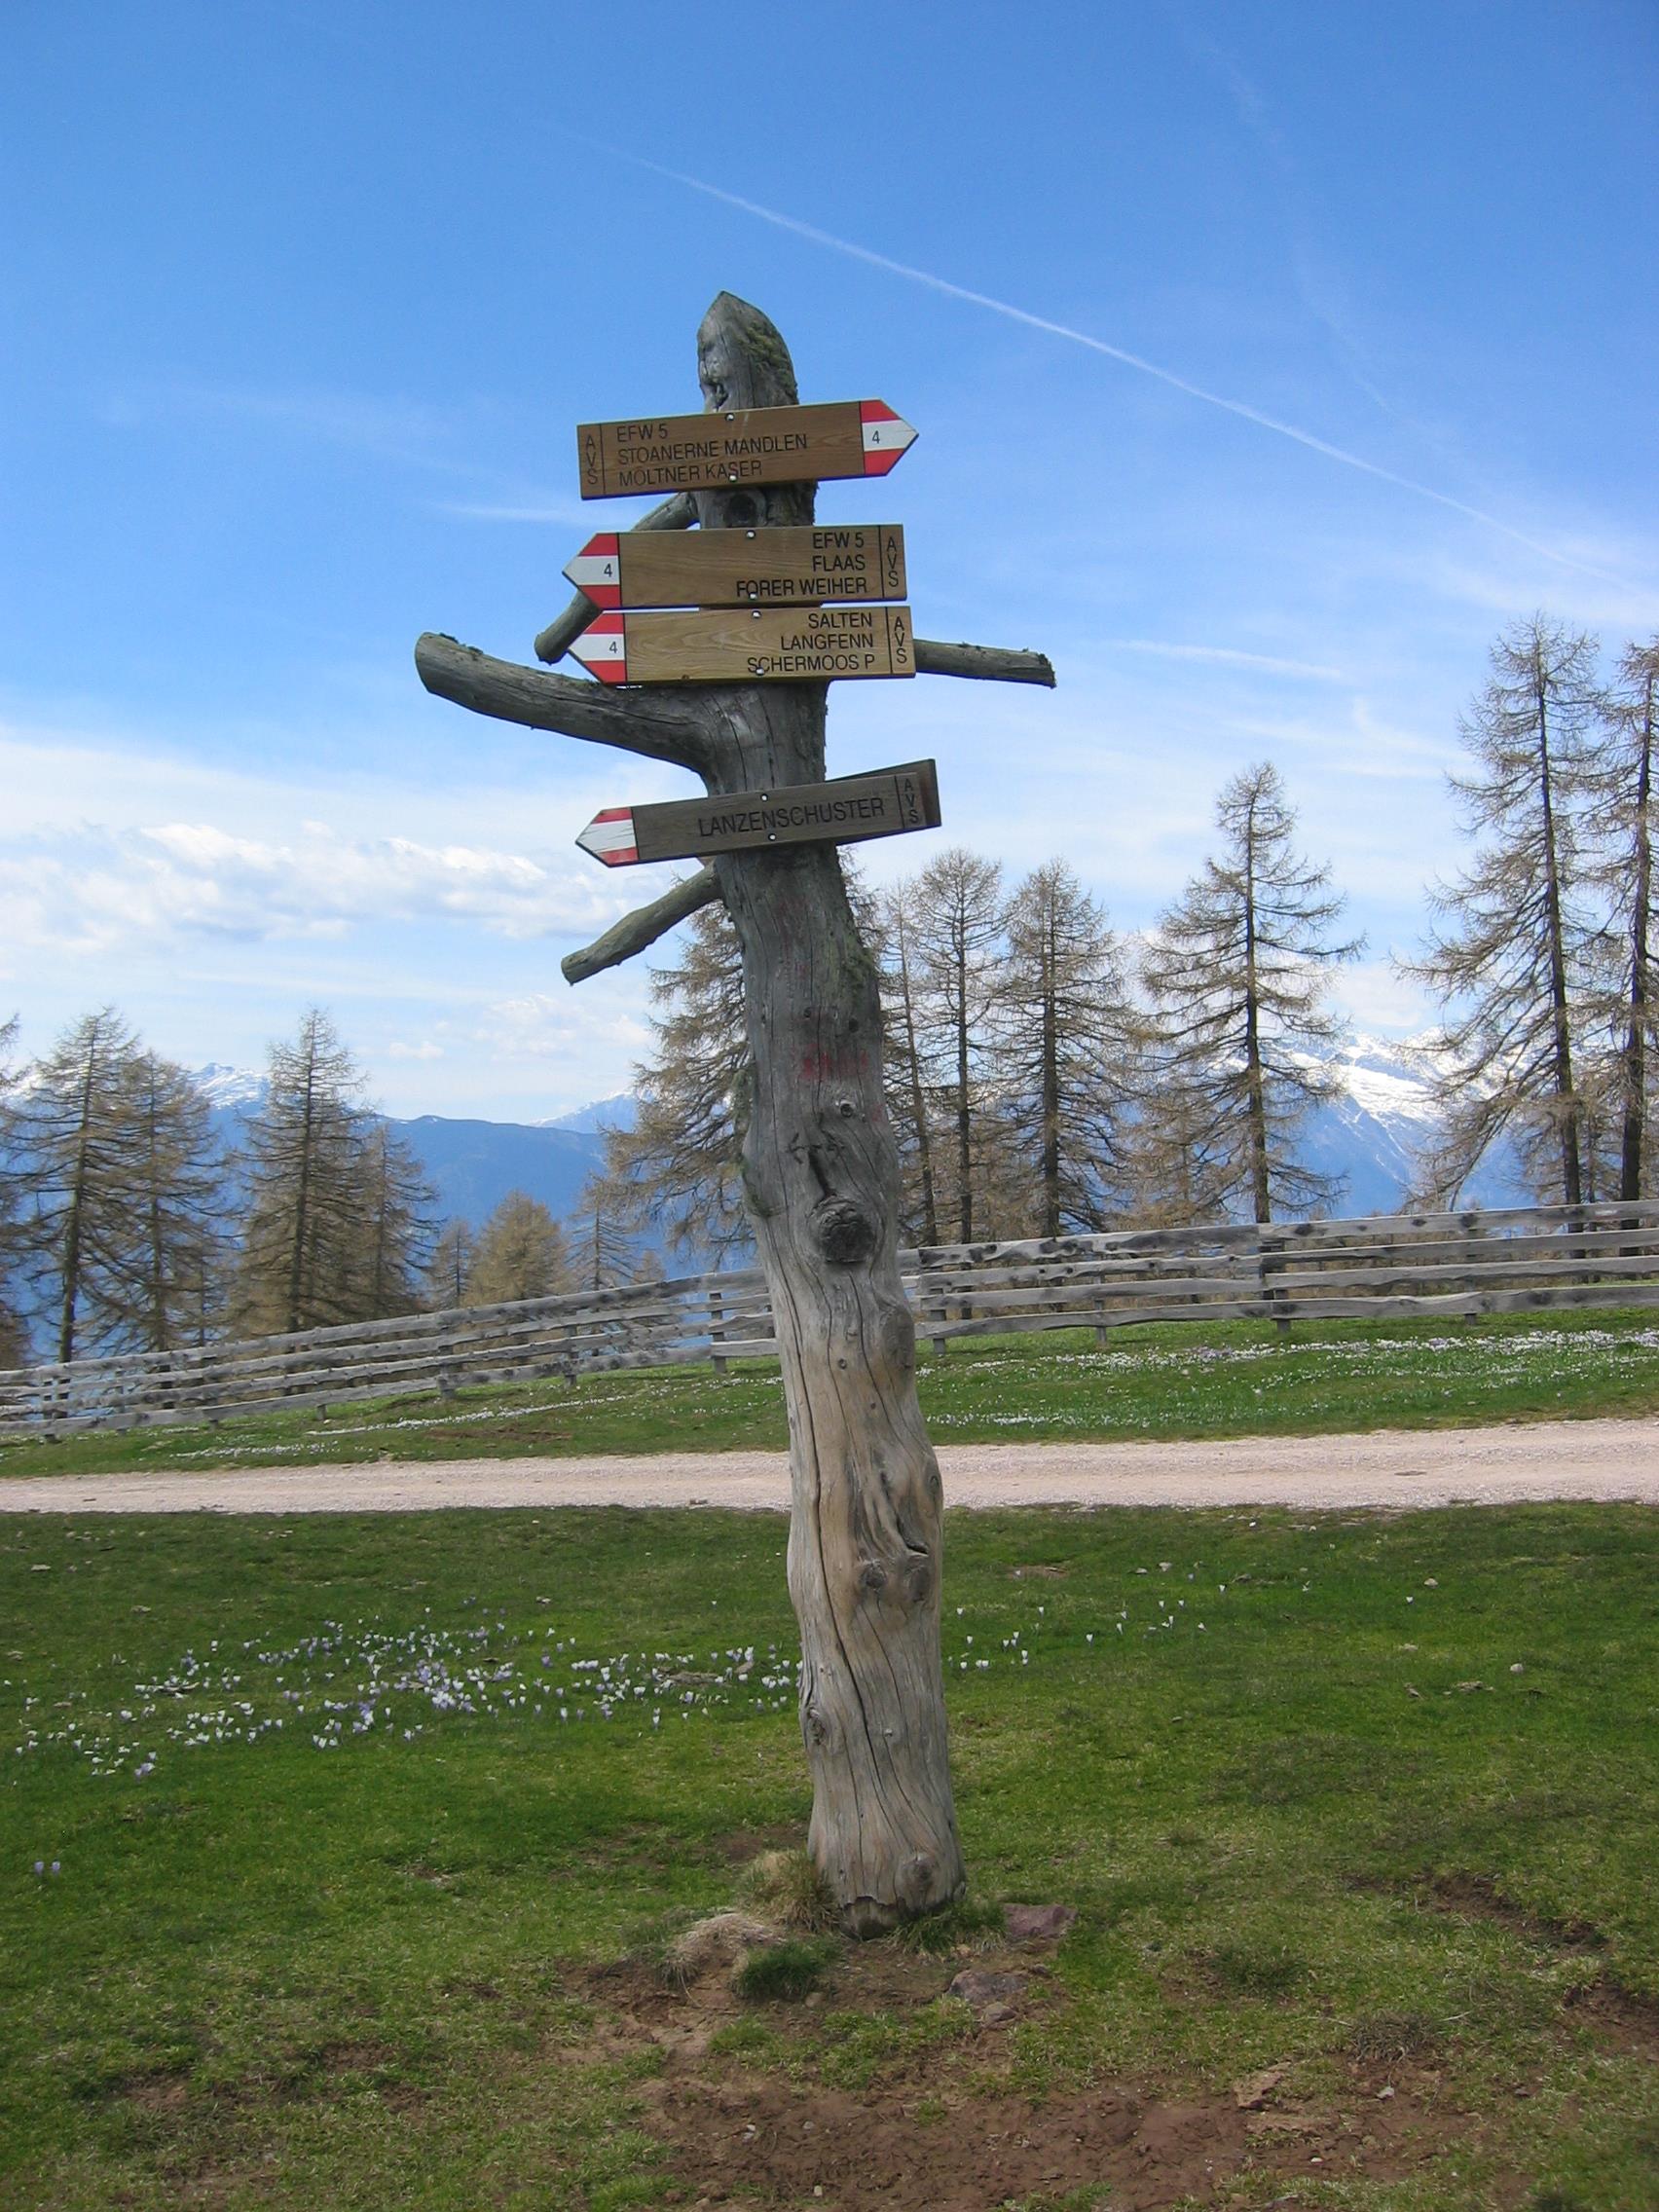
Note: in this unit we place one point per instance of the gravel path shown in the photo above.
(1592, 1460)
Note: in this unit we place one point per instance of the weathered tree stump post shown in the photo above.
(821, 1180)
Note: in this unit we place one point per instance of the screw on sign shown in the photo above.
(821, 1172)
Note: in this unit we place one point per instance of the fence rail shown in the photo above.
(1387, 1266)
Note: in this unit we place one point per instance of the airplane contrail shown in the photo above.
(987, 299)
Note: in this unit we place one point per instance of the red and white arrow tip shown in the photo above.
(887, 437)
(603, 648)
(610, 837)
(597, 570)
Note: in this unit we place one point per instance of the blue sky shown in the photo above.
(1267, 360)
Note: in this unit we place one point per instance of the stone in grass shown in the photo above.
(992, 1997)
(1037, 1922)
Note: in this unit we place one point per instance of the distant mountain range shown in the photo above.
(1370, 1135)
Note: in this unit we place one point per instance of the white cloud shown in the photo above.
(98, 889)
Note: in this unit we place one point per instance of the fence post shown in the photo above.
(716, 1330)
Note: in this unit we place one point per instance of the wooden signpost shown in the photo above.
(743, 644)
(745, 445)
(847, 810)
(820, 1166)
(738, 567)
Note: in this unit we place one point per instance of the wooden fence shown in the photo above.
(1393, 1265)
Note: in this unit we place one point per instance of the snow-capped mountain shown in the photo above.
(1373, 1133)
(224, 1086)
(617, 1113)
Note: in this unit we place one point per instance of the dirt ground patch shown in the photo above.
(943, 2122)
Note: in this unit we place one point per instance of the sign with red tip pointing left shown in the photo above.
(743, 644)
(842, 812)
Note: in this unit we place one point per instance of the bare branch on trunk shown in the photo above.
(663, 723)
(994, 664)
(643, 927)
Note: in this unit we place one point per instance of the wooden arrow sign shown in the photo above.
(740, 644)
(843, 812)
(758, 445)
(732, 568)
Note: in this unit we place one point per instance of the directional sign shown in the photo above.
(740, 644)
(842, 812)
(758, 445)
(731, 568)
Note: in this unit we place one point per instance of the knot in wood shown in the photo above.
(817, 1727)
(846, 1234)
(873, 1575)
(914, 1883)
(846, 1108)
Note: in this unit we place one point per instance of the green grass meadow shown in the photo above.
(321, 1837)
(1197, 1380)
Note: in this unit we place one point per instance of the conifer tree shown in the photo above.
(397, 1231)
(677, 1168)
(307, 1214)
(601, 1251)
(1627, 805)
(1513, 949)
(1065, 1050)
(909, 1098)
(449, 1266)
(14, 1337)
(175, 1278)
(957, 942)
(81, 1179)
(521, 1253)
(1236, 978)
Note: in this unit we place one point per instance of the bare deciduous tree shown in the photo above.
(678, 1167)
(1065, 1050)
(307, 1217)
(1628, 813)
(1236, 974)
(957, 941)
(1513, 949)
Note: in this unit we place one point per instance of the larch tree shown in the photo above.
(957, 948)
(1513, 950)
(81, 1179)
(678, 1167)
(14, 1337)
(1627, 815)
(175, 1273)
(448, 1265)
(521, 1253)
(1236, 974)
(1065, 1051)
(396, 1201)
(909, 1101)
(601, 1254)
(307, 1217)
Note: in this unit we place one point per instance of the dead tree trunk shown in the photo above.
(821, 1174)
